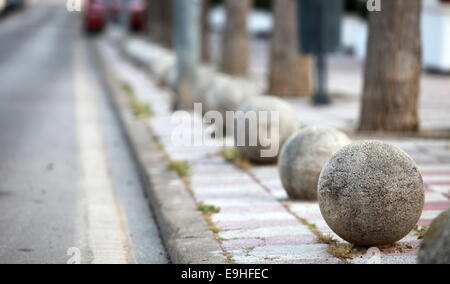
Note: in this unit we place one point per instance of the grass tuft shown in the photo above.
(342, 251)
(140, 110)
(181, 168)
(207, 210)
(229, 256)
(232, 155)
(420, 231)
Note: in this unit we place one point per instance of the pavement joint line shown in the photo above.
(321, 237)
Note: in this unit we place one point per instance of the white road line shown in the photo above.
(105, 227)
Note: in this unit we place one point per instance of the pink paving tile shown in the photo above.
(425, 222)
(291, 240)
(431, 183)
(236, 182)
(269, 208)
(441, 205)
(244, 196)
(251, 224)
(241, 244)
(299, 261)
(435, 173)
(280, 241)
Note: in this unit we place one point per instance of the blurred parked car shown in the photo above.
(138, 15)
(95, 15)
(10, 4)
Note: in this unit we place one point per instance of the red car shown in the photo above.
(138, 15)
(95, 16)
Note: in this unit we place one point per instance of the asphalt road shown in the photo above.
(68, 187)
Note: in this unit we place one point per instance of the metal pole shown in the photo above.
(124, 15)
(321, 96)
(187, 42)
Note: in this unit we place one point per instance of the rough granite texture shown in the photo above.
(303, 157)
(435, 247)
(371, 193)
(277, 133)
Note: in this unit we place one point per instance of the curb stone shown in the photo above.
(184, 231)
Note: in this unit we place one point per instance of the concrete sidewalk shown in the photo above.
(256, 222)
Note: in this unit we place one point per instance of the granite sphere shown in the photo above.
(371, 193)
(261, 141)
(303, 157)
(435, 248)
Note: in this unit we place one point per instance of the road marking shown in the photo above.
(105, 227)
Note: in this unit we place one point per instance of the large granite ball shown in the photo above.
(303, 157)
(435, 248)
(229, 97)
(205, 81)
(371, 193)
(162, 66)
(230, 94)
(218, 83)
(260, 141)
(169, 77)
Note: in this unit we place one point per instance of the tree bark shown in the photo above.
(290, 73)
(167, 36)
(161, 22)
(235, 53)
(393, 68)
(154, 23)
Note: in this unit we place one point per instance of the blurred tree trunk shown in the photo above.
(161, 22)
(167, 36)
(235, 53)
(393, 68)
(290, 73)
(205, 31)
(154, 23)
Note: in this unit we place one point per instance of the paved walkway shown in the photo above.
(257, 223)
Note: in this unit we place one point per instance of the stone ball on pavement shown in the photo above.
(261, 141)
(218, 83)
(206, 78)
(303, 157)
(435, 248)
(229, 96)
(161, 67)
(169, 77)
(371, 193)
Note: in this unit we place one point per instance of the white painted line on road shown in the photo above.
(106, 235)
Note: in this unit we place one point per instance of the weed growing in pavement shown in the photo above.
(229, 257)
(181, 168)
(140, 110)
(231, 155)
(420, 231)
(207, 210)
(342, 251)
